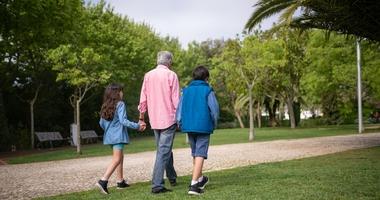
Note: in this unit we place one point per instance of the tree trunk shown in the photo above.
(78, 126)
(289, 103)
(31, 103)
(4, 131)
(258, 114)
(297, 112)
(75, 110)
(75, 114)
(251, 128)
(272, 118)
(272, 107)
(237, 114)
(280, 112)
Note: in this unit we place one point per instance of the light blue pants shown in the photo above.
(164, 156)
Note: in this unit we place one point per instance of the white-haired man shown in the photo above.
(160, 96)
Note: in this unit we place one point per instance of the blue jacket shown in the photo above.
(198, 109)
(115, 131)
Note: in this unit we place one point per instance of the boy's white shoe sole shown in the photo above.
(193, 193)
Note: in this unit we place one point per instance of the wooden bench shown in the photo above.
(89, 135)
(48, 137)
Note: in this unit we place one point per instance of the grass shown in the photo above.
(348, 175)
(220, 136)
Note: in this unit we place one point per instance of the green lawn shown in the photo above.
(347, 175)
(221, 136)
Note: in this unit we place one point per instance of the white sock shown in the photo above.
(200, 179)
(193, 182)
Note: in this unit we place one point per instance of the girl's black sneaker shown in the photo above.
(122, 185)
(103, 186)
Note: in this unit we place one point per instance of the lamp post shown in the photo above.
(360, 114)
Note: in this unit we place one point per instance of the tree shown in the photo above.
(82, 69)
(329, 83)
(357, 17)
(107, 48)
(228, 86)
(271, 103)
(294, 43)
(250, 72)
(371, 72)
(239, 105)
(246, 67)
(264, 55)
(334, 75)
(32, 33)
(82, 64)
(233, 63)
(28, 31)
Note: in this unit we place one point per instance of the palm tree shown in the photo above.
(239, 104)
(356, 17)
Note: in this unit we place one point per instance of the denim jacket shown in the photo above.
(115, 131)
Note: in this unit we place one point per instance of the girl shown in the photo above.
(114, 122)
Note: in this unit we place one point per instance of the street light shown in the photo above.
(360, 114)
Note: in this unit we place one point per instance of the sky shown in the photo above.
(190, 20)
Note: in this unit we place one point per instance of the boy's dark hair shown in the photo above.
(200, 73)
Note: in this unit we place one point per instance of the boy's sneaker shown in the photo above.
(122, 185)
(203, 183)
(195, 190)
(103, 186)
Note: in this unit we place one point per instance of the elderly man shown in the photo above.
(160, 97)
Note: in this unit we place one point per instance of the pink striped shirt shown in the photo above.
(160, 96)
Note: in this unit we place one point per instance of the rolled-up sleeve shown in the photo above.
(123, 118)
(143, 97)
(175, 91)
(214, 108)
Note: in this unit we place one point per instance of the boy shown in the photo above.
(197, 115)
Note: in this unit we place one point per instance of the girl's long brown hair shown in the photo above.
(110, 99)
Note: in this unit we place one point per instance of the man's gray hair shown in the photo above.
(164, 58)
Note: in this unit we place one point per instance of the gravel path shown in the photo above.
(25, 181)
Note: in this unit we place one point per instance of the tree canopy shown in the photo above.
(54, 53)
(356, 17)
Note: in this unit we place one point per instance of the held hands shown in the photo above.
(142, 126)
